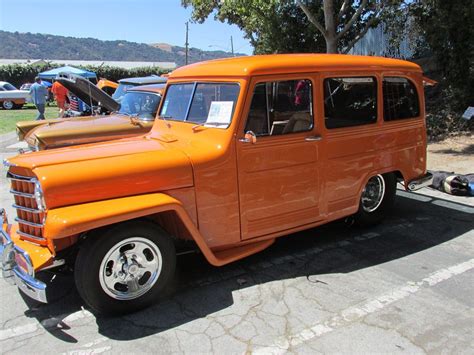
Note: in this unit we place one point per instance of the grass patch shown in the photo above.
(9, 118)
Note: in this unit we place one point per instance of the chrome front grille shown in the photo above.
(30, 219)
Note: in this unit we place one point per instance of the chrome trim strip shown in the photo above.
(20, 177)
(22, 180)
(26, 235)
(22, 194)
(28, 223)
(26, 209)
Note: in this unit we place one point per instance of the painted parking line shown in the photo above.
(348, 315)
(49, 323)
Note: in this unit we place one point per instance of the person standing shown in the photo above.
(38, 94)
(60, 94)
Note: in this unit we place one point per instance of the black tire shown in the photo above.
(89, 274)
(365, 216)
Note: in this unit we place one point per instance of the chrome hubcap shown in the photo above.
(130, 268)
(373, 193)
(8, 105)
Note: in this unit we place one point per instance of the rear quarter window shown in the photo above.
(400, 99)
(350, 101)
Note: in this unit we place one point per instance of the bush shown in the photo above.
(18, 74)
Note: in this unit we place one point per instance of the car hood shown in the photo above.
(100, 171)
(83, 130)
(87, 91)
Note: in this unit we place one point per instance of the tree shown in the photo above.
(443, 30)
(271, 26)
(296, 25)
(347, 21)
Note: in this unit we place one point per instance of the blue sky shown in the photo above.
(146, 21)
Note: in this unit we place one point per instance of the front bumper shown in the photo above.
(22, 276)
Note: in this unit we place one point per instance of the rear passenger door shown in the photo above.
(278, 159)
(352, 130)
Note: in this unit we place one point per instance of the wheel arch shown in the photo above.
(163, 209)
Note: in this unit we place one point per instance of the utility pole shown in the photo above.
(232, 46)
(187, 43)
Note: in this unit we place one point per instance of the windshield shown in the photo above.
(9, 87)
(120, 91)
(141, 104)
(204, 103)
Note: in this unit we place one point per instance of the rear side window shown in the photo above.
(350, 101)
(281, 107)
(400, 99)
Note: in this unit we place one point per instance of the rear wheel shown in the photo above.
(125, 269)
(377, 198)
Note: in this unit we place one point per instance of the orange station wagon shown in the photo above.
(244, 150)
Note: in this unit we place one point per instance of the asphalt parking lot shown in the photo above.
(406, 285)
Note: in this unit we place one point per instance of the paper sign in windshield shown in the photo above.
(220, 112)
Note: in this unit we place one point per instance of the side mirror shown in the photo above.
(249, 137)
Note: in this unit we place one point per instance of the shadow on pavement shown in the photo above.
(417, 223)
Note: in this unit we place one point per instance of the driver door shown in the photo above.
(278, 168)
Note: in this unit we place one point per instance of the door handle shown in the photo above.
(313, 138)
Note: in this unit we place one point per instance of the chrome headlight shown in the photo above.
(39, 197)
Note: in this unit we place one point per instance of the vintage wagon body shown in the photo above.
(244, 150)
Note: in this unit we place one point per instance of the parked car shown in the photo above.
(11, 97)
(244, 150)
(126, 84)
(133, 117)
(108, 86)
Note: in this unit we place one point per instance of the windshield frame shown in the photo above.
(193, 92)
(143, 92)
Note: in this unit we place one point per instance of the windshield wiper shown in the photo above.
(216, 124)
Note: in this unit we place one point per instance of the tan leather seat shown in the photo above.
(298, 122)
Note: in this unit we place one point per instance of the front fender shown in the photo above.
(71, 220)
(68, 221)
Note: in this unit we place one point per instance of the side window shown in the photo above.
(350, 101)
(281, 107)
(400, 99)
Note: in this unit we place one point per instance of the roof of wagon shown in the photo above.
(289, 63)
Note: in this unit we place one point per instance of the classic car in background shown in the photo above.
(11, 97)
(132, 117)
(126, 84)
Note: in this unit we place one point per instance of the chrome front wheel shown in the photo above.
(126, 267)
(130, 268)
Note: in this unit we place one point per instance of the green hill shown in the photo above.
(15, 45)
